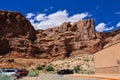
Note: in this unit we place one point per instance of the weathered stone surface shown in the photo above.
(116, 38)
(15, 29)
(85, 30)
(4, 46)
(13, 24)
(67, 40)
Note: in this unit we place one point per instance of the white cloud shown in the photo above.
(55, 19)
(78, 17)
(30, 15)
(118, 25)
(117, 12)
(103, 27)
(100, 27)
(51, 7)
(45, 9)
(40, 17)
(108, 29)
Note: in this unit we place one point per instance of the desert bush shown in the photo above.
(77, 68)
(86, 59)
(33, 73)
(90, 72)
(87, 72)
(49, 68)
(5, 77)
(39, 67)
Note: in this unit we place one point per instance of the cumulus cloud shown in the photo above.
(43, 21)
(100, 27)
(108, 29)
(40, 17)
(47, 9)
(30, 15)
(118, 25)
(103, 27)
(78, 17)
(117, 12)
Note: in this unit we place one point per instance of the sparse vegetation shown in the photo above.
(5, 77)
(77, 69)
(87, 71)
(80, 64)
(49, 68)
(86, 59)
(39, 67)
(33, 73)
(90, 72)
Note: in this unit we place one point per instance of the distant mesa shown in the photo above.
(20, 39)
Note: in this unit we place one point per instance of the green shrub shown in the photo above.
(86, 59)
(77, 68)
(90, 72)
(5, 77)
(87, 72)
(33, 74)
(49, 68)
(39, 67)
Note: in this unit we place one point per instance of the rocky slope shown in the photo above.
(15, 32)
(69, 40)
(19, 39)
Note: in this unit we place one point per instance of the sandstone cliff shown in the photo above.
(69, 40)
(15, 30)
(19, 39)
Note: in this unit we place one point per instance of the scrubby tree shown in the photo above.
(49, 68)
(39, 67)
(77, 68)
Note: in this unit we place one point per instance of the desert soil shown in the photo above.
(75, 77)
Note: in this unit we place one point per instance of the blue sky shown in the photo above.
(45, 14)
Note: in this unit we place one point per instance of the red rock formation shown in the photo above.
(13, 24)
(70, 40)
(4, 46)
(67, 40)
(15, 29)
(85, 30)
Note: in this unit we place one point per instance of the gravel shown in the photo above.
(55, 77)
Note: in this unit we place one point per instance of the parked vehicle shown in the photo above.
(23, 72)
(65, 71)
(10, 72)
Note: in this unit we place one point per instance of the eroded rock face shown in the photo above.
(13, 24)
(67, 40)
(85, 30)
(4, 46)
(14, 28)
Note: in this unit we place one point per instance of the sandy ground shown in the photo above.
(75, 77)
(56, 77)
(107, 76)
